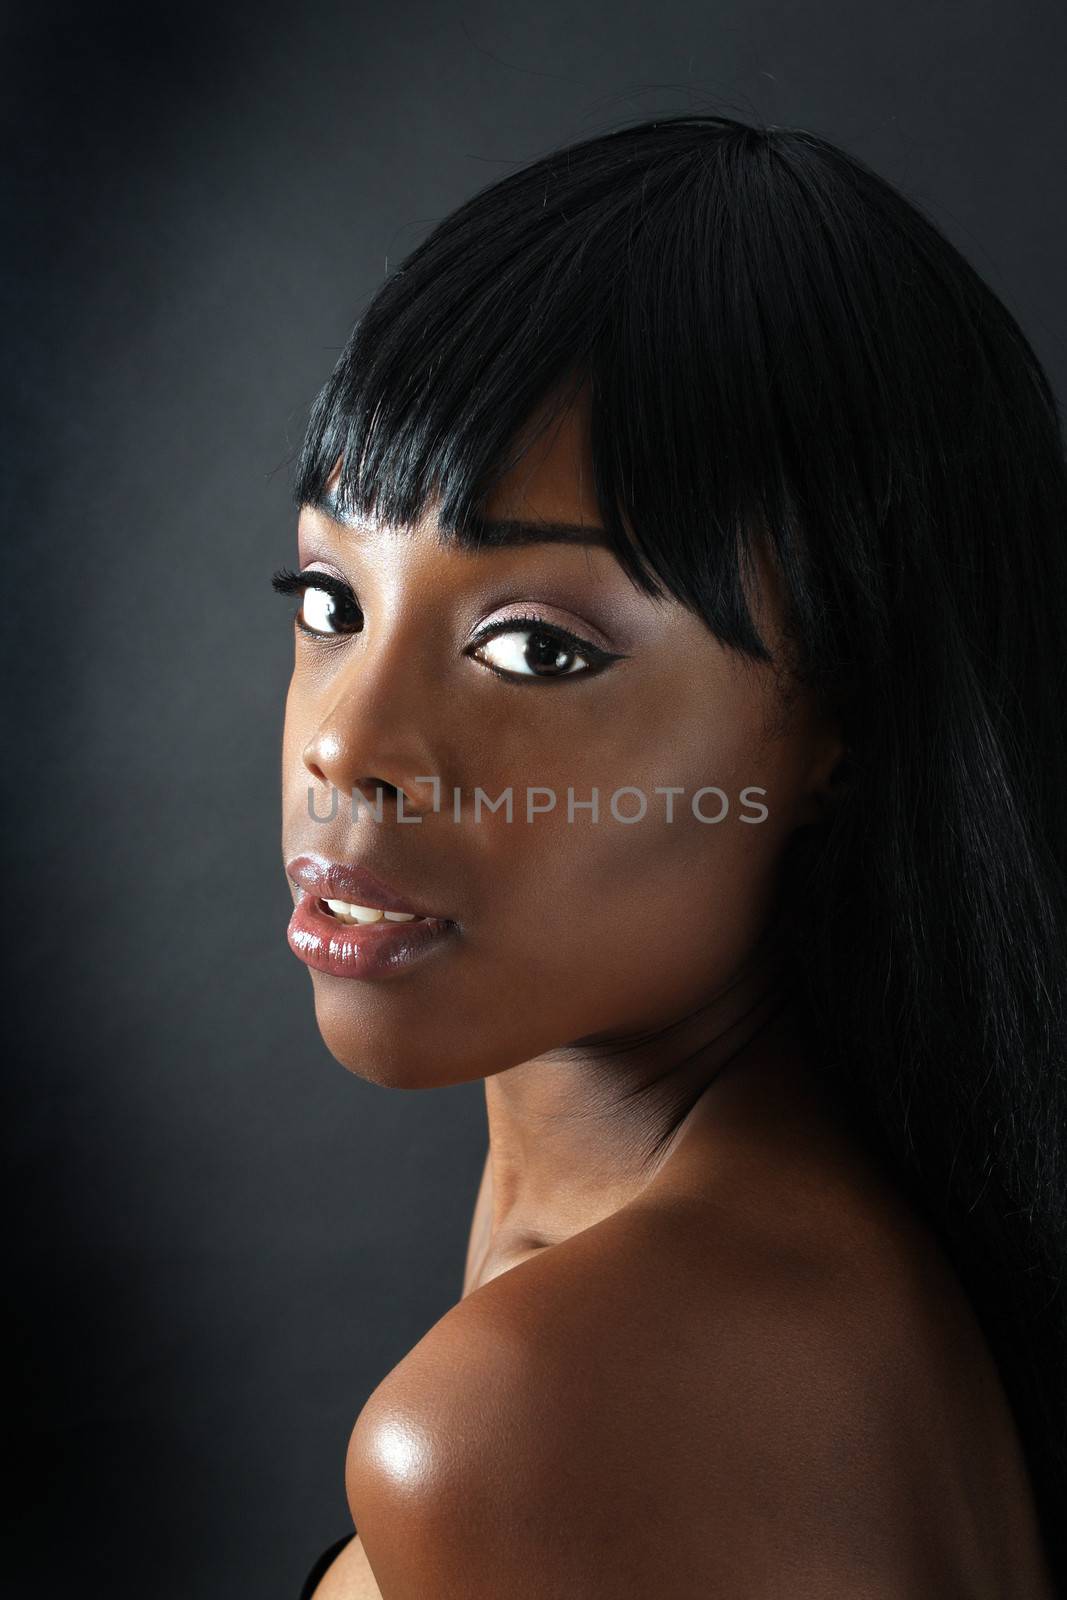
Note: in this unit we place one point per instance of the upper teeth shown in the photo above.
(347, 912)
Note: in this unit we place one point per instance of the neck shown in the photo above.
(577, 1133)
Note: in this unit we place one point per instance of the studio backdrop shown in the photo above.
(218, 1240)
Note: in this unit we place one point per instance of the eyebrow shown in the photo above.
(494, 534)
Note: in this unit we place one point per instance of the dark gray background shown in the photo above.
(218, 1240)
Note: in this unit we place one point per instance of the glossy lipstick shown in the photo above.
(357, 950)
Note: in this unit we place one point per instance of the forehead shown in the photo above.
(553, 477)
(550, 481)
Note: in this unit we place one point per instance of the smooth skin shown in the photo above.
(703, 1348)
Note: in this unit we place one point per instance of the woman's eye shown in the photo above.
(328, 611)
(530, 649)
(327, 604)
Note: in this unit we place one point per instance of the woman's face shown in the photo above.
(565, 928)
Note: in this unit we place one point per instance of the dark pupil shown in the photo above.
(341, 612)
(543, 653)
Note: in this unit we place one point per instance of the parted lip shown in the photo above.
(346, 880)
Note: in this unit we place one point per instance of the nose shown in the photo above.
(369, 738)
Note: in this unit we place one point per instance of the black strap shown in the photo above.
(327, 1558)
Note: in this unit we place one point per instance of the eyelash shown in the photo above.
(287, 582)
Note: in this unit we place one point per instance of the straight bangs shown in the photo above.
(648, 268)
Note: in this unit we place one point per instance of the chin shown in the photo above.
(397, 1046)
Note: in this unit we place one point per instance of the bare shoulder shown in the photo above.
(684, 1400)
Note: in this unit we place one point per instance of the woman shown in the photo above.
(689, 486)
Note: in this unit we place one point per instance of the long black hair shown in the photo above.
(778, 344)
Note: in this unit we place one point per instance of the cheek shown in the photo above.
(292, 765)
(297, 729)
(289, 737)
(623, 923)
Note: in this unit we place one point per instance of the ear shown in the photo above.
(826, 777)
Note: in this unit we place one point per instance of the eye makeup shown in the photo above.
(341, 615)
